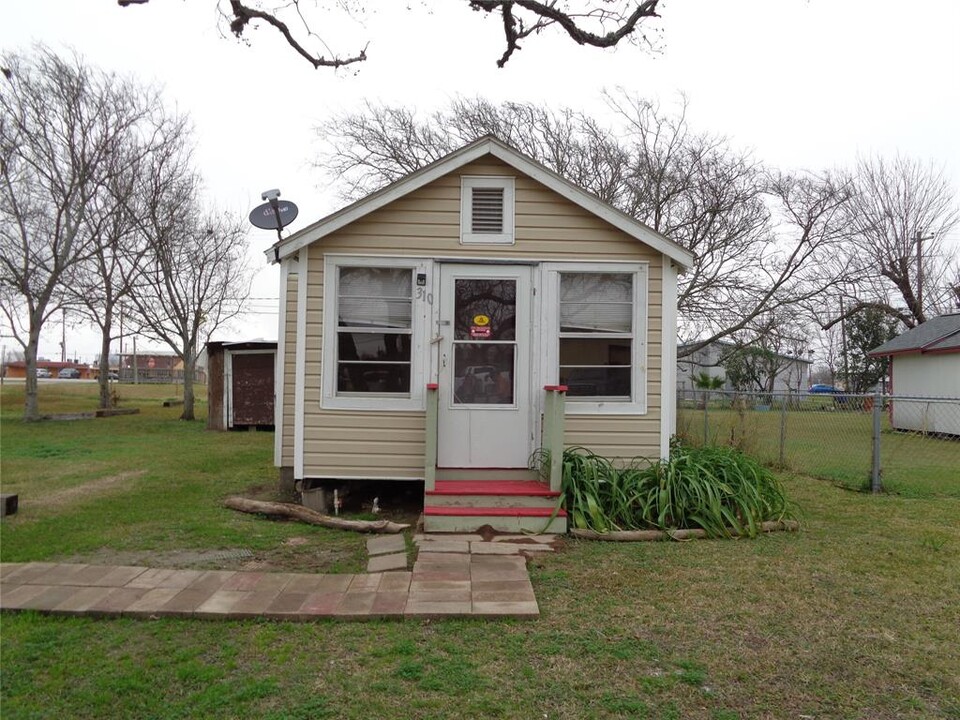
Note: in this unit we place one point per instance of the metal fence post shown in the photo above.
(783, 428)
(875, 484)
(706, 417)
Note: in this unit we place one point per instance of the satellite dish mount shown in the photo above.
(274, 214)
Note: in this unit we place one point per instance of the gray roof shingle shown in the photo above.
(940, 333)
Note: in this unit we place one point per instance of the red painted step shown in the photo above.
(493, 487)
(492, 511)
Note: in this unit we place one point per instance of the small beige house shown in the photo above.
(445, 327)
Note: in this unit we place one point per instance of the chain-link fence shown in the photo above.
(908, 445)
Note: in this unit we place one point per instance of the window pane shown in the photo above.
(375, 297)
(373, 346)
(596, 302)
(485, 309)
(483, 374)
(594, 351)
(596, 382)
(371, 377)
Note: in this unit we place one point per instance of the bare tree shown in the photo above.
(62, 126)
(595, 23)
(761, 240)
(98, 285)
(193, 278)
(900, 212)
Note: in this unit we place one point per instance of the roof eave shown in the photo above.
(465, 155)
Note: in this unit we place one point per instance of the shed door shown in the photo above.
(252, 388)
(486, 417)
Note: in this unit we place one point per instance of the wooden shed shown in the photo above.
(455, 323)
(240, 384)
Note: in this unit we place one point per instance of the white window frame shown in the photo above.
(420, 316)
(550, 318)
(467, 184)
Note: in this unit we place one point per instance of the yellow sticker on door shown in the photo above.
(481, 320)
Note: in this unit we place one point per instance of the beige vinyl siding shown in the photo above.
(426, 223)
(289, 372)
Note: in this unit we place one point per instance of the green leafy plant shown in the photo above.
(718, 489)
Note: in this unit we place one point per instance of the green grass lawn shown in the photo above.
(836, 445)
(856, 616)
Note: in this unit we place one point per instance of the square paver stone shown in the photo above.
(395, 582)
(445, 546)
(383, 563)
(526, 609)
(389, 604)
(386, 544)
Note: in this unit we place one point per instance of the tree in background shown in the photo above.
(596, 23)
(866, 330)
(761, 240)
(193, 277)
(63, 127)
(899, 213)
(98, 286)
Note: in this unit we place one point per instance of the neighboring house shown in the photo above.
(240, 384)
(157, 366)
(469, 290)
(925, 363)
(18, 369)
(789, 372)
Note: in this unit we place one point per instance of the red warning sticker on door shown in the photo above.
(479, 331)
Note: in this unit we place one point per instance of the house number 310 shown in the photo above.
(422, 294)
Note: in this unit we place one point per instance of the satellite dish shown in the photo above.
(274, 215)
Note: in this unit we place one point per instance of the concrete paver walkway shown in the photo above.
(442, 584)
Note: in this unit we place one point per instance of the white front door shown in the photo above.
(486, 412)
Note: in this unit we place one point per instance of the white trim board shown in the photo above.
(278, 370)
(299, 404)
(488, 145)
(668, 357)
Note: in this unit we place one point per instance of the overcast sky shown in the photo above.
(803, 83)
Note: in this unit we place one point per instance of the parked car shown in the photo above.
(112, 375)
(43, 373)
(821, 389)
(68, 374)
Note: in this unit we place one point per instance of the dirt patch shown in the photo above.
(281, 559)
(90, 489)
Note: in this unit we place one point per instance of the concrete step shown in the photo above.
(492, 493)
(487, 474)
(502, 519)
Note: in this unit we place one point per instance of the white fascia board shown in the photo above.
(462, 157)
(384, 196)
(591, 204)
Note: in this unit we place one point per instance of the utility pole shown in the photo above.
(843, 342)
(63, 337)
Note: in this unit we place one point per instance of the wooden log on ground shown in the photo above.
(111, 412)
(680, 534)
(299, 512)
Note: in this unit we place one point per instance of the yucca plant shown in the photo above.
(718, 489)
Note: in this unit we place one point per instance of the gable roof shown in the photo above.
(487, 145)
(940, 334)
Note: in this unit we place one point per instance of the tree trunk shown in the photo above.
(31, 408)
(104, 378)
(303, 514)
(189, 363)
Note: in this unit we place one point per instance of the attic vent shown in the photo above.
(487, 210)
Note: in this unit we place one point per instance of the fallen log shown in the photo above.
(312, 517)
(679, 534)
